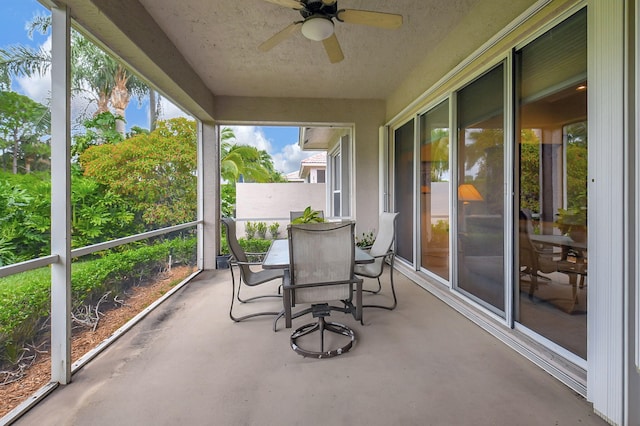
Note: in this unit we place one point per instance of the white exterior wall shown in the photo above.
(364, 116)
(272, 202)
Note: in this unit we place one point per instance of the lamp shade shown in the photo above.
(317, 28)
(468, 192)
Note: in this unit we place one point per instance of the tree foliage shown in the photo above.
(97, 213)
(107, 81)
(24, 124)
(24, 209)
(154, 172)
(244, 161)
(98, 130)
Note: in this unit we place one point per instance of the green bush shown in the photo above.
(274, 230)
(254, 245)
(25, 298)
(250, 229)
(261, 229)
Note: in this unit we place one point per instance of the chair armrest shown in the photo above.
(259, 256)
(390, 252)
(234, 261)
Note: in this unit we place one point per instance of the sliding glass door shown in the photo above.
(434, 190)
(404, 189)
(552, 203)
(480, 192)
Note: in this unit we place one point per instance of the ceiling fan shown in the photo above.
(318, 23)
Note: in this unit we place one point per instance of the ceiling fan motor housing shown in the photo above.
(318, 7)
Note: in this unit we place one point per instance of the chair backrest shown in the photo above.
(384, 239)
(232, 241)
(321, 253)
(527, 253)
(296, 214)
(530, 255)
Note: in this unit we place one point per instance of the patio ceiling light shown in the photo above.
(317, 28)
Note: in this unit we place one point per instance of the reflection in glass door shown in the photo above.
(434, 190)
(480, 194)
(404, 189)
(552, 202)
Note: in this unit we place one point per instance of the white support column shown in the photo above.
(606, 209)
(208, 195)
(61, 196)
(383, 169)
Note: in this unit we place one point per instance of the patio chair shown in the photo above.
(382, 251)
(321, 259)
(534, 258)
(248, 276)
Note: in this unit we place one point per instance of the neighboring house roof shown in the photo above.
(316, 161)
(293, 177)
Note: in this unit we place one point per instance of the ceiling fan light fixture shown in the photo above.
(317, 28)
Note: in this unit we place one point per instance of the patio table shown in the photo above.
(278, 255)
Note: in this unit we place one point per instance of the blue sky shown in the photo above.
(279, 141)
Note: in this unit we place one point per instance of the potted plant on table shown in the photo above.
(573, 222)
(366, 240)
(309, 216)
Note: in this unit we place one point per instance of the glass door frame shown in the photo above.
(418, 231)
(508, 195)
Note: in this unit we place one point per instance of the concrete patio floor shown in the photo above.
(187, 363)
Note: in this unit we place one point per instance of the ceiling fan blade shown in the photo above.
(279, 37)
(332, 47)
(293, 4)
(389, 21)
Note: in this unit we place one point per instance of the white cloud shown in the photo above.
(252, 136)
(288, 160)
(168, 110)
(37, 87)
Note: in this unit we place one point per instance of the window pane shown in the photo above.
(434, 189)
(480, 198)
(552, 147)
(320, 176)
(404, 178)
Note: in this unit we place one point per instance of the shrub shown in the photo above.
(250, 230)
(274, 230)
(25, 298)
(261, 229)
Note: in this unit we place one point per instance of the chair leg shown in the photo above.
(233, 296)
(533, 286)
(393, 290)
(321, 311)
(263, 296)
(375, 291)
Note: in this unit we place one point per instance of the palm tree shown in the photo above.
(242, 161)
(93, 70)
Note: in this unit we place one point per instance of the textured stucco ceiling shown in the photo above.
(220, 39)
